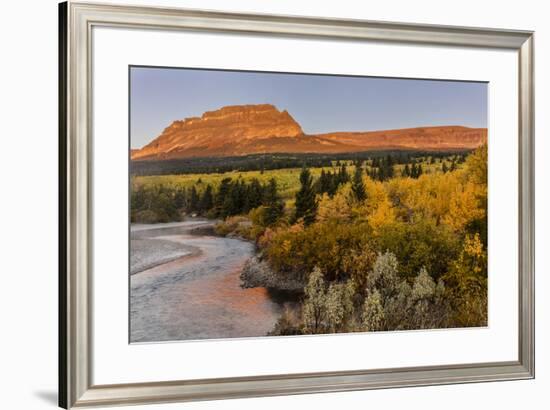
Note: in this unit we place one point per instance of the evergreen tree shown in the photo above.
(207, 200)
(406, 171)
(332, 183)
(232, 205)
(453, 166)
(306, 203)
(414, 171)
(343, 176)
(358, 187)
(444, 167)
(381, 171)
(223, 191)
(179, 198)
(374, 173)
(389, 167)
(273, 203)
(254, 195)
(193, 199)
(323, 183)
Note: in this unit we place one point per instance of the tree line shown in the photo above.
(265, 162)
(159, 203)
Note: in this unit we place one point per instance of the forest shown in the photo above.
(262, 162)
(370, 243)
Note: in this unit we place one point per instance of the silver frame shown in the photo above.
(75, 354)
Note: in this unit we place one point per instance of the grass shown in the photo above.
(288, 180)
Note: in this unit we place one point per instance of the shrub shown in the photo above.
(323, 244)
(146, 217)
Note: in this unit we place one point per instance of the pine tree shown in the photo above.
(374, 174)
(225, 187)
(207, 200)
(273, 203)
(306, 202)
(332, 183)
(381, 172)
(389, 167)
(414, 171)
(406, 171)
(193, 199)
(444, 167)
(323, 183)
(179, 198)
(232, 205)
(357, 186)
(254, 195)
(343, 176)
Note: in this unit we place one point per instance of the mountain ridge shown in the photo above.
(256, 129)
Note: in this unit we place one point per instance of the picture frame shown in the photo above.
(76, 280)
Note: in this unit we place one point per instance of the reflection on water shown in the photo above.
(196, 296)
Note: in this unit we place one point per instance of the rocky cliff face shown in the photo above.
(422, 138)
(222, 131)
(253, 129)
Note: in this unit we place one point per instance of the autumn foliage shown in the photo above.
(404, 253)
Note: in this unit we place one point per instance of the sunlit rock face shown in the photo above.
(254, 129)
(229, 130)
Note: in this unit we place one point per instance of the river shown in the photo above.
(185, 285)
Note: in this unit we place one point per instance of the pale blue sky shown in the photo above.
(320, 103)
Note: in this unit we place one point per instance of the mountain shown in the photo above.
(255, 129)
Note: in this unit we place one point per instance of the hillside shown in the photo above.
(257, 129)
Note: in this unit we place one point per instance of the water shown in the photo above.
(186, 286)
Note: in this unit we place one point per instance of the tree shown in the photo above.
(306, 202)
(337, 208)
(384, 275)
(234, 200)
(444, 167)
(388, 172)
(327, 308)
(406, 171)
(273, 203)
(193, 199)
(339, 306)
(324, 182)
(207, 200)
(179, 198)
(254, 195)
(223, 191)
(314, 304)
(332, 183)
(416, 170)
(373, 312)
(343, 175)
(357, 186)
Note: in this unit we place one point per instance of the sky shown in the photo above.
(319, 103)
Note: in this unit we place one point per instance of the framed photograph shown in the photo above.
(258, 205)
